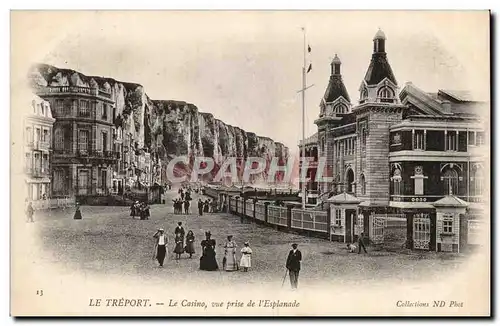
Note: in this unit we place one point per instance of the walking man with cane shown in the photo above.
(293, 265)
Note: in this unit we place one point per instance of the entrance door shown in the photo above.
(349, 180)
(421, 231)
(83, 182)
(378, 227)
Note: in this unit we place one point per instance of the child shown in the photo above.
(246, 257)
(351, 247)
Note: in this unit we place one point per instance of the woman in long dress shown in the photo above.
(179, 250)
(78, 214)
(229, 260)
(207, 260)
(190, 243)
(132, 209)
(246, 257)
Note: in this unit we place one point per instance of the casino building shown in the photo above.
(401, 152)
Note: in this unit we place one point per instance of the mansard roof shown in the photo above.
(379, 69)
(336, 89)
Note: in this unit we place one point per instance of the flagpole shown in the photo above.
(304, 121)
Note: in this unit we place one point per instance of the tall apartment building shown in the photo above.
(38, 124)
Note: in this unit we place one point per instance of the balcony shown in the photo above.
(81, 153)
(42, 145)
(37, 172)
(432, 198)
(72, 90)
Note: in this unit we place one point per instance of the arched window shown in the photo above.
(386, 94)
(340, 109)
(364, 93)
(363, 184)
(478, 182)
(349, 180)
(450, 179)
(396, 182)
(58, 139)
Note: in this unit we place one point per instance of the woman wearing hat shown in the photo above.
(246, 257)
(229, 261)
(161, 245)
(190, 243)
(207, 260)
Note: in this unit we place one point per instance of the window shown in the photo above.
(386, 94)
(104, 111)
(363, 136)
(451, 141)
(58, 139)
(104, 141)
(338, 217)
(322, 144)
(396, 181)
(450, 179)
(419, 140)
(480, 138)
(38, 134)
(340, 109)
(45, 136)
(60, 106)
(83, 140)
(396, 138)
(448, 224)
(29, 135)
(471, 138)
(363, 184)
(478, 182)
(84, 109)
(27, 161)
(364, 94)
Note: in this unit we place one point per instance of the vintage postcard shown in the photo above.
(250, 163)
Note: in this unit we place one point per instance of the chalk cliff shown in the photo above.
(169, 128)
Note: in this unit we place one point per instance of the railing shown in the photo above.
(53, 203)
(431, 198)
(41, 145)
(277, 215)
(249, 208)
(37, 171)
(310, 220)
(260, 211)
(48, 90)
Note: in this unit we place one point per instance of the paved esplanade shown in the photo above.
(109, 241)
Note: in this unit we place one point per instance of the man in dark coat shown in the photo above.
(293, 265)
(361, 243)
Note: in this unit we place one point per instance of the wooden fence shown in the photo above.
(53, 203)
(310, 220)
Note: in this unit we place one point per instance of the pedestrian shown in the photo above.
(78, 214)
(179, 229)
(229, 261)
(161, 245)
(146, 211)
(361, 243)
(30, 211)
(200, 207)
(207, 259)
(186, 207)
(179, 246)
(246, 257)
(133, 212)
(190, 243)
(205, 206)
(293, 265)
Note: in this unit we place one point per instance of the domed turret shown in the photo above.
(380, 35)
(336, 65)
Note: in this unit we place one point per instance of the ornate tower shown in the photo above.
(379, 107)
(334, 105)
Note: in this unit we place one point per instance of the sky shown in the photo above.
(245, 67)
